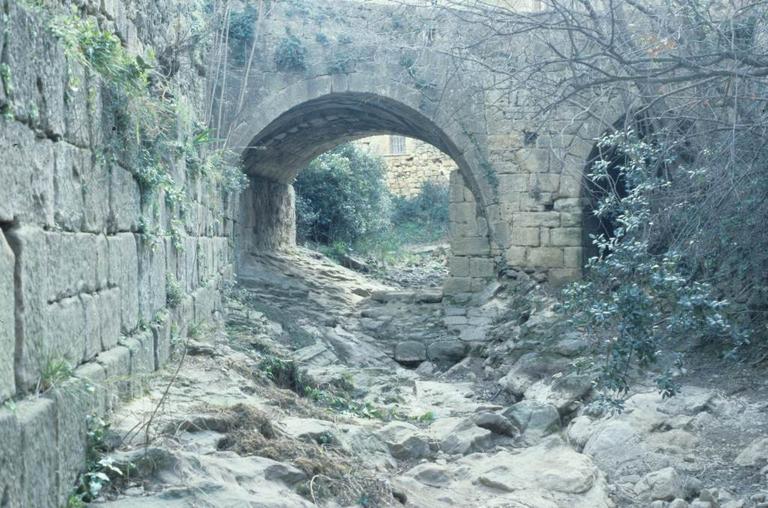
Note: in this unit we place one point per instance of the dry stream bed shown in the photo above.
(295, 400)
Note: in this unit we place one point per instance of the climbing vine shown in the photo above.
(156, 130)
(291, 54)
(635, 301)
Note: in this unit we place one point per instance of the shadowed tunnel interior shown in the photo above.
(302, 133)
(291, 141)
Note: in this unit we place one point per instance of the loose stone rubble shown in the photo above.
(452, 432)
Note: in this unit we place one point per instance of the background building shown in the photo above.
(410, 162)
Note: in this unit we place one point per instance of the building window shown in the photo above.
(397, 145)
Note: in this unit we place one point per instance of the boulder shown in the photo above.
(430, 474)
(496, 423)
(467, 438)
(665, 484)
(548, 475)
(563, 392)
(410, 353)
(616, 447)
(405, 441)
(535, 419)
(550, 466)
(539, 325)
(426, 369)
(532, 367)
(579, 431)
(755, 454)
(447, 351)
(572, 345)
(311, 430)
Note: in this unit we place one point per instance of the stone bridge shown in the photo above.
(515, 200)
(99, 276)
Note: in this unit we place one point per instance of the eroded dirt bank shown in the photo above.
(297, 400)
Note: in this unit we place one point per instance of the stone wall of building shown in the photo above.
(418, 163)
(86, 256)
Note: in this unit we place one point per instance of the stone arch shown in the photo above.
(280, 135)
(379, 90)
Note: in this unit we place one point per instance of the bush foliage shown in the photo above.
(291, 54)
(342, 197)
(429, 207)
(637, 300)
(343, 203)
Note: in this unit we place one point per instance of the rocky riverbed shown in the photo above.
(322, 387)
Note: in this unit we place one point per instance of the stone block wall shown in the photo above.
(471, 265)
(86, 256)
(267, 217)
(407, 172)
(524, 169)
(537, 216)
(422, 162)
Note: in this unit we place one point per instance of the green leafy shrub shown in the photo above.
(100, 469)
(101, 51)
(241, 31)
(173, 292)
(341, 64)
(636, 301)
(54, 373)
(342, 197)
(290, 54)
(428, 208)
(153, 126)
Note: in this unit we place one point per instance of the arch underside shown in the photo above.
(305, 131)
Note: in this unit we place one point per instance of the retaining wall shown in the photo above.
(87, 257)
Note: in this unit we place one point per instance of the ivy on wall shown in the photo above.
(156, 128)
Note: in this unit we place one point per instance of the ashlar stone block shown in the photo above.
(26, 194)
(482, 268)
(7, 320)
(536, 219)
(96, 181)
(93, 379)
(471, 246)
(32, 348)
(66, 326)
(10, 456)
(92, 326)
(547, 257)
(68, 186)
(72, 402)
(458, 266)
(151, 282)
(125, 200)
(36, 60)
(529, 236)
(124, 273)
(39, 452)
(566, 237)
(117, 365)
(142, 351)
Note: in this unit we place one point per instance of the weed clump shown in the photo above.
(291, 55)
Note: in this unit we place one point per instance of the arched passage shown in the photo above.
(286, 144)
